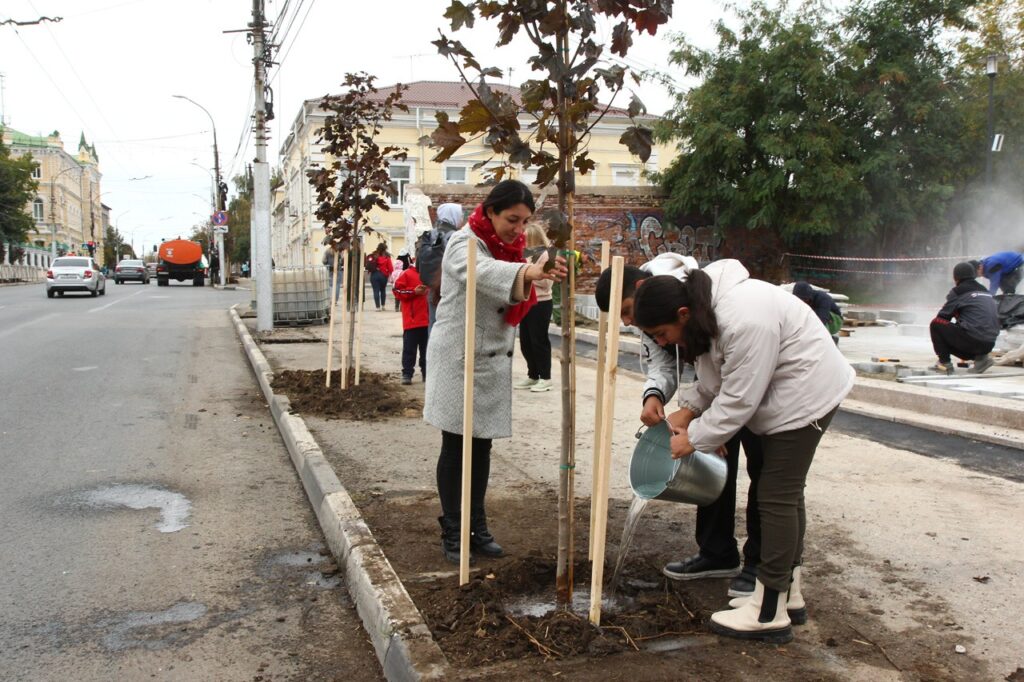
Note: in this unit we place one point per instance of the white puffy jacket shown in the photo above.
(773, 367)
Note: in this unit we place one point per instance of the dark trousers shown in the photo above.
(534, 341)
(413, 340)
(780, 499)
(379, 282)
(449, 474)
(951, 339)
(1008, 283)
(716, 523)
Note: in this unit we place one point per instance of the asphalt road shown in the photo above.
(153, 525)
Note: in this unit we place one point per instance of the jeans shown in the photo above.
(534, 341)
(951, 339)
(716, 522)
(413, 339)
(449, 474)
(780, 499)
(379, 282)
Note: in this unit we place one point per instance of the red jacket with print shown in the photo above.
(414, 306)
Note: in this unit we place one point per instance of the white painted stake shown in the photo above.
(607, 422)
(602, 331)
(359, 319)
(330, 330)
(467, 409)
(344, 325)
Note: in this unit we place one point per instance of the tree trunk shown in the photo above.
(352, 273)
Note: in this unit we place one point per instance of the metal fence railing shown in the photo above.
(20, 273)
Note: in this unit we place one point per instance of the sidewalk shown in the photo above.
(911, 586)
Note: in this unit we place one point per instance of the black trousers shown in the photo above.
(449, 474)
(1008, 283)
(413, 340)
(716, 523)
(950, 339)
(379, 282)
(534, 341)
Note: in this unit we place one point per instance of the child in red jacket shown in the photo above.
(413, 294)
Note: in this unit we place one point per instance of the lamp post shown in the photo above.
(991, 69)
(218, 184)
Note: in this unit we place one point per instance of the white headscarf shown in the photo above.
(451, 214)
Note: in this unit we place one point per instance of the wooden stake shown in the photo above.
(360, 295)
(602, 332)
(330, 330)
(607, 422)
(467, 409)
(344, 325)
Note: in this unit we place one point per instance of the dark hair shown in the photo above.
(964, 271)
(659, 299)
(803, 291)
(382, 248)
(506, 194)
(630, 276)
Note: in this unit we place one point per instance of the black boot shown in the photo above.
(480, 539)
(450, 544)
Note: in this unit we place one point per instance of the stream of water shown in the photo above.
(636, 510)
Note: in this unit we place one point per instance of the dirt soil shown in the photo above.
(376, 397)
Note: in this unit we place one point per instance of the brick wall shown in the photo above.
(632, 220)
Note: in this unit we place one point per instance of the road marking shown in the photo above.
(84, 369)
(8, 332)
(158, 297)
(104, 307)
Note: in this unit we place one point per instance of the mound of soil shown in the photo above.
(377, 396)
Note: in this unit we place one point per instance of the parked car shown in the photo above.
(151, 269)
(131, 270)
(75, 273)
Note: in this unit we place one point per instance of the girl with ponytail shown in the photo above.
(764, 361)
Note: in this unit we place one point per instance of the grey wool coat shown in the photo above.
(495, 340)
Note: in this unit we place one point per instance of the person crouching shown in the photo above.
(973, 334)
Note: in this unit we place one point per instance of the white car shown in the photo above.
(75, 273)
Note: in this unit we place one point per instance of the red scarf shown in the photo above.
(510, 253)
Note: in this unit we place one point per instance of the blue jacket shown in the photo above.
(998, 265)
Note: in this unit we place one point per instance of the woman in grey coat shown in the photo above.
(504, 294)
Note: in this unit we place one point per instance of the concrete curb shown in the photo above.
(405, 648)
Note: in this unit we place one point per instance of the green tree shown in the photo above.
(236, 246)
(115, 247)
(17, 190)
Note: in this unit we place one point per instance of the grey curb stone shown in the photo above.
(403, 643)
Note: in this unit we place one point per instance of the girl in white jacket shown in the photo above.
(764, 360)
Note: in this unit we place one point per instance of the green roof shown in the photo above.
(26, 140)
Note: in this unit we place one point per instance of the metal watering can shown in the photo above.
(653, 475)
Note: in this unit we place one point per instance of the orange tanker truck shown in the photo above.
(181, 260)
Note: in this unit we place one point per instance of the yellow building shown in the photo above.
(67, 210)
(297, 234)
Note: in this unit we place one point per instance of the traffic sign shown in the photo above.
(220, 218)
(220, 230)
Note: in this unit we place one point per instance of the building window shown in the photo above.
(456, 175)
(37, 171)
(401, 175)
(37, 210)
(625, 175)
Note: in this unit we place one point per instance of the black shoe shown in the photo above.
(698, 567)
(480, 539)
(450, 541)
(406, 381)
(743, 584)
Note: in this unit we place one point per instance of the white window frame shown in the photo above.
(39, 210)
(464, 167)
(37, 172)
(397, 200)
(632, 169)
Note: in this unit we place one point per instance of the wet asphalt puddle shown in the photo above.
(316, 565)
(174, 507)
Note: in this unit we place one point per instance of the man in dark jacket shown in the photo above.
(823, 305)
(974, 332)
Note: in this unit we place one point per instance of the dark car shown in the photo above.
(131, 271)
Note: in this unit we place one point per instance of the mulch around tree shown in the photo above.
(377, 396)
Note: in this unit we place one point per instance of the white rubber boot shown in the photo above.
(762, 618)
(795, 606)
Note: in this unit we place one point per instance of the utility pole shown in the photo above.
(260, 228)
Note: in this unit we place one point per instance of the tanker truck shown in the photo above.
(181, 260)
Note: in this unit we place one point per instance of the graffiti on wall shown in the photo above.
(642, 235)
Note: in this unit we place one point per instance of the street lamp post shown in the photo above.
(218, 193)
(991, 69)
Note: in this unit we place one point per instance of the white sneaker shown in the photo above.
(524, 384)
(541, 386)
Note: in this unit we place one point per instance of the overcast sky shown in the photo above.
(110, 69)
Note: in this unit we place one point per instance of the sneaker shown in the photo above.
(942, 368)
(524, 384)
(698, 567)
(541, 386)
(981, 363)
(743, 584)
(406, 381)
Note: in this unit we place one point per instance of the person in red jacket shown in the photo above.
(380, 266)
(413, 294)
